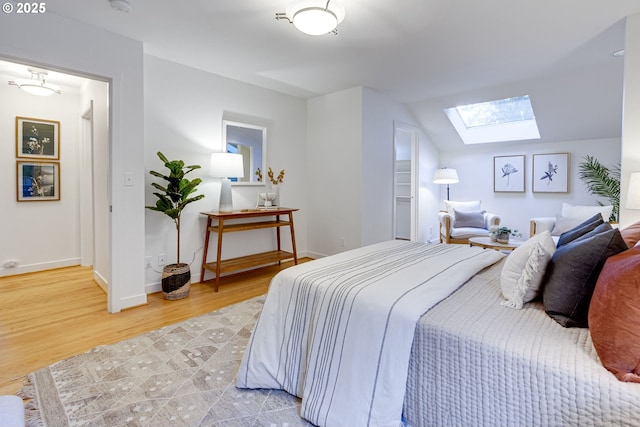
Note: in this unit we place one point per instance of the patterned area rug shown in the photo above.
(180, 375)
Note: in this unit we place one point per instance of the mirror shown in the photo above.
(250, 141)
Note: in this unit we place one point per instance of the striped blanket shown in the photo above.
(337, 331)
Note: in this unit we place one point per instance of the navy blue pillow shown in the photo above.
(572, 274)
(581, 229)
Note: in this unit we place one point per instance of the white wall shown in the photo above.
(631, 115)
(350, 169)
(334, 171)
(474, 165)
(379, 114)
(64, 45)
(184, 109)
(43, 234)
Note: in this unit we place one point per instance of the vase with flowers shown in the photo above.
(273, 183)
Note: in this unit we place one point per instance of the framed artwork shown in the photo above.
(551, 173)
(37, 181)
(37, 138)
(508, 174)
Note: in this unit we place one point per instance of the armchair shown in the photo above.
(463, 220)
(570, 217)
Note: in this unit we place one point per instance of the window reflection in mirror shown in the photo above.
(250, 141)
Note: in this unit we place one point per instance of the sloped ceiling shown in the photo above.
(427, 54)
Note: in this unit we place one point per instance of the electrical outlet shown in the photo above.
(161, 259)
(12, 263)
(147, 262)
(343, 242)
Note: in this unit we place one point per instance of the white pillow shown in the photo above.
(565, 223)
(524, 270)
(462, 206)
(586, 212)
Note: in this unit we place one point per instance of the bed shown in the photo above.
(404, 333)
(477, 363)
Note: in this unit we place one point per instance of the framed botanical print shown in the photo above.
(37, 181)
(37, 138)
(508, 174)
(551, 173)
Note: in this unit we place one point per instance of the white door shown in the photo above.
(405, 218)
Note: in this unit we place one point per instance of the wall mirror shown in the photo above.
(251, 141)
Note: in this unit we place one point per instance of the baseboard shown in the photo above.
(31, 268)
(101, 281)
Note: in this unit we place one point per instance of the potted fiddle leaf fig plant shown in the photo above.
(173, 197)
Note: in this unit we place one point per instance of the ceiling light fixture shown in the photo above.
(36, 85)
(314, 17)
(121, 5)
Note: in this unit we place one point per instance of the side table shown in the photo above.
(220, 266)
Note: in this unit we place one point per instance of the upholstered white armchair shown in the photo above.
(463, 220)
(569, 217)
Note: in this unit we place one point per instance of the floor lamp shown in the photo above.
(445, 176)
(225, 166)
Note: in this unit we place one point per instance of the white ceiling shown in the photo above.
(427, 54)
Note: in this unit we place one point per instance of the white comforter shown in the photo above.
(337, 331)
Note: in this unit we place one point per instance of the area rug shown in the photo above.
(179, 375)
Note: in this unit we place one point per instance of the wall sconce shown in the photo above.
(225, 166)
(445, 176)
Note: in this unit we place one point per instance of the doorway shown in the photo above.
(74, 232)
(405, 203)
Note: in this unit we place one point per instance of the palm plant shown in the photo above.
(175, 196)
(602, 182)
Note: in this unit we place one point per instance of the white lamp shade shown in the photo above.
(226, 165)
(633, 194)
(445, 176)
(315, 17)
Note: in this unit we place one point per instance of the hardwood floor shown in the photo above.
(51, 315)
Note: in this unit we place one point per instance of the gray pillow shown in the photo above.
(582, 229)
(572, 274)
(474, 219)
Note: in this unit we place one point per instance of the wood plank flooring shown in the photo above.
(52, 315)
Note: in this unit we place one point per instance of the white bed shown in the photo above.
(477, 363)
(349, 335)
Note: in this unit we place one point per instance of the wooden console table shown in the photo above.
(241, 263)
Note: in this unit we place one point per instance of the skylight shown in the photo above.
(509, 119)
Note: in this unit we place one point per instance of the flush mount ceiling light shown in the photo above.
(36, 85)
(120, 5)
(314, 17)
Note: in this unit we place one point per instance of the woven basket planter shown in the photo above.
(176, 281)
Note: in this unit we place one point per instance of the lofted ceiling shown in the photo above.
(426, 54)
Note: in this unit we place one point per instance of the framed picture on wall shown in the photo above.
(508, 174)
(551, 173)
(37, 181)
(37, 138)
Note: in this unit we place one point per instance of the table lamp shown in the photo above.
(225, 166)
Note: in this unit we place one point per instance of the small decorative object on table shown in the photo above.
(176, 278)
(271, 198)
(502, 234)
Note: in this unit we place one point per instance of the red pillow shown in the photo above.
(631, 234)
(614, 315)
